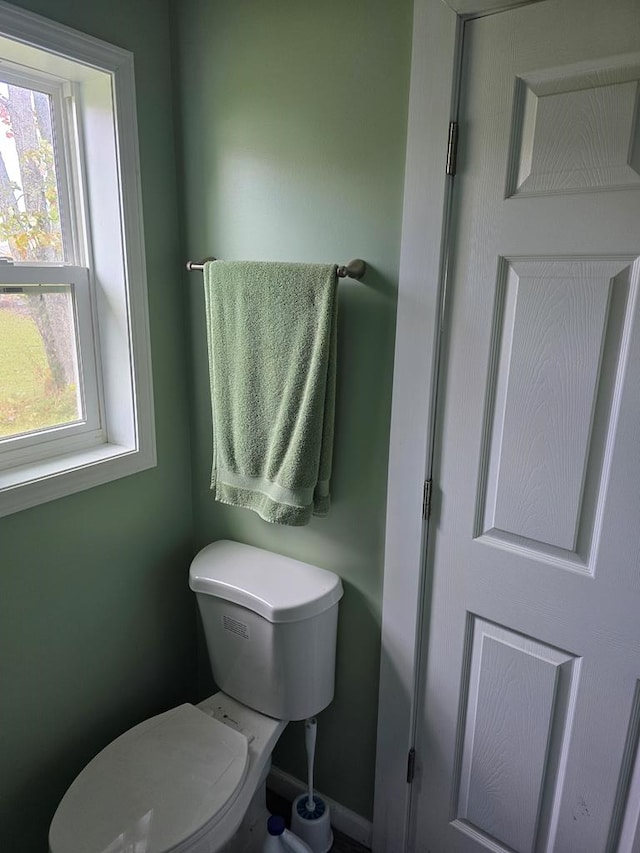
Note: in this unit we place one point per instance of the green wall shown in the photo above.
(96, 621)
(292, 120)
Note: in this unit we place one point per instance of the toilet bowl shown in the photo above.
(187, 780)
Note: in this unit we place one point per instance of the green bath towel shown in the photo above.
(271, 330)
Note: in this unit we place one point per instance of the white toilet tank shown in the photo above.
(270, 624)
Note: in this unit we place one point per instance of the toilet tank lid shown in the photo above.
(278, 588)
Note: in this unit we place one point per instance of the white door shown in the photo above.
(529, 712)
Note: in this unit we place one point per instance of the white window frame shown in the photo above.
(108, 273)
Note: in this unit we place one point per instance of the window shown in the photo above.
(75, 380)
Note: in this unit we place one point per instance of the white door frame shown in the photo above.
(437, 29)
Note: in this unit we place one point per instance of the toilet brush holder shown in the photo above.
(313, 826)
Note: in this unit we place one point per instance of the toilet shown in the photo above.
(192, 779)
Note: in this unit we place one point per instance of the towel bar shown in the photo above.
(354, 269)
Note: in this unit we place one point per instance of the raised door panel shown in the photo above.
(575, 129)
(560, 344)
(514, 733)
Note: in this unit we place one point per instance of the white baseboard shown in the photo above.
(342, 818)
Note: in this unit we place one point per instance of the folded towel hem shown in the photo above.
(299, 497)
(268, 509)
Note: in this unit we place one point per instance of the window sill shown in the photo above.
(29, 485)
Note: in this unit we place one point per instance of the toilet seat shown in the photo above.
(154, 787)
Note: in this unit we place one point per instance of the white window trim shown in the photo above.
(118, 264)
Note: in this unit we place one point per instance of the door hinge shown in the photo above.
(452, 147)
(426, 499)
(411, 765)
